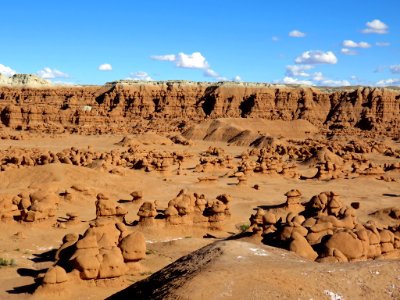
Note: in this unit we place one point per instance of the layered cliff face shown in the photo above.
(165, 106)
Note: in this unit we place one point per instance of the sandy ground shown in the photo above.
(28, 248)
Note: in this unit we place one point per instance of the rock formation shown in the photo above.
(106, 250)
(187, 209)
(170, 105)
(325, 230)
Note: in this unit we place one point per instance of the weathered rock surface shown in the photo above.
(120, 106)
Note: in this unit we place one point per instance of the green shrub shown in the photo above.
(244, 227)
(4, 262)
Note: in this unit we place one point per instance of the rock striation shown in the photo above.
(171, 105)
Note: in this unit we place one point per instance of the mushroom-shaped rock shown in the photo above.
(293, 197)
(346, 243)
(55, 275)
(88, 265)
(147, 210)
(302, 247)
(269, 218)
(137, 195)
(133, 247)
(112, 265)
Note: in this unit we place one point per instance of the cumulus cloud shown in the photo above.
(191, 61)
(143, 76)
(395, 69)
(182, 60)
(318, 76)
(352, 44)
(210, 73)
(7, 71)
(382, 44)
(167, 57)
(105, 67)
(48, 73)
(237, 78)
(298, 70)
(376, 26)
(297, 34)
(347, 51)
(316, 79)
(330, 82)
(316, 57)
(291, 80)
(390, 81)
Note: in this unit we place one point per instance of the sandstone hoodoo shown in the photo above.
(185, 209)
(106, 250)
(325, 230)
(183, 164)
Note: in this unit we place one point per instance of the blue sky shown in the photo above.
(312, 42)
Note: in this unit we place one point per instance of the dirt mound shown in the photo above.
(324, 155)
(147, 138)
(243, 270)
(245, 132)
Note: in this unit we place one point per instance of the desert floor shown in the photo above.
(245, 269)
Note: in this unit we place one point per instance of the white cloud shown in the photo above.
(395, 69)
(66, 83)
(182, 60)
(237, 78)
(318, 76)
(352, 44)
(347, 51)
(297, 34)
(316, 79)
(316, 57)
(192, 61)
(320, 79)
(354, 77)
(376, 26)
(298, 70)
(140, 76)
(210, 73)
(390, 81)
(382, 44)
(275, 39)
(330, 82)
(379, 69)
(291, 80)
(48, 73)
(7, 71)
(167, 57)
(105, 67)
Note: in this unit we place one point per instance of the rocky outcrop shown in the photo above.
(187, 209)
(23, 80)
(326, 230)
(162, 106)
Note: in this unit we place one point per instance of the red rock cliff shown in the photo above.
(123, 107)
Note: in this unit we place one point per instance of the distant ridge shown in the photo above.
(28, 80)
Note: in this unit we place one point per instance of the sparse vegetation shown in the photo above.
(4, 262)
(147, 273)
(244, 227)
